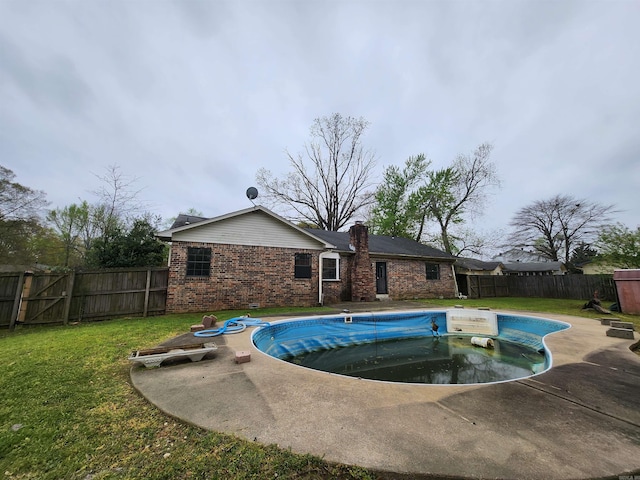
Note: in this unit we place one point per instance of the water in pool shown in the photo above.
(448, 359)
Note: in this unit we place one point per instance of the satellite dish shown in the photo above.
(252, 193)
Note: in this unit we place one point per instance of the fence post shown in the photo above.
(16, 302)
(146, 294)
(67, 300)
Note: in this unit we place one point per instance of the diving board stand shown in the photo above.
(476, 322)
(153, 357)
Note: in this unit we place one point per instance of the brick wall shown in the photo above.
(406, 279)
(240, 275)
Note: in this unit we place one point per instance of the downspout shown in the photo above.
(320, 294)
(455, 280)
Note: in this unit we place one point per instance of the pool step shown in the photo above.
(607, 321)
(625, 325)
(620, 333)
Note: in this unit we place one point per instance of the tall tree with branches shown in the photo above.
(552, 227)
(395, 211)
(17, 202)
(20, 218)
(106, 220)
(118, 201)
(619, 246)
(330, 181)
(69, 222)
(454, 192)
(408, 199)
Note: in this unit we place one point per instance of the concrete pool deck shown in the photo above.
(579, 420)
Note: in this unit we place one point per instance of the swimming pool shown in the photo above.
(405, 347)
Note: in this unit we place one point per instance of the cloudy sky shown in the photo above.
(193, 97)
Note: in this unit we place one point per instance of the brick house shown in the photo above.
(254, 257)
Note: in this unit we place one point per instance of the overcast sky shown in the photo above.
(193, 97)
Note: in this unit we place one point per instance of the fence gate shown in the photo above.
(473, 286)
(483, 286)
(46, 298)
(28, 298)
(10, 295)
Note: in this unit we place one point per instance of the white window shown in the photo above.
(331, 266)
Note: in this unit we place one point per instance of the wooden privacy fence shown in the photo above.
(579, 287)
(59, 298)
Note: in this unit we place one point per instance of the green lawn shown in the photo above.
(68, 410)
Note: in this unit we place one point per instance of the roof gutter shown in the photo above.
(403, 256)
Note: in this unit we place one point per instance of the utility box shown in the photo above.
(628, 288)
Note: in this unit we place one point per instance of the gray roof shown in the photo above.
(533, 266)
(382, 245)
(474, 264)
(519, 255)
(183, 219)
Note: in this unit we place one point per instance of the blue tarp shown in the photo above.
(292, 337)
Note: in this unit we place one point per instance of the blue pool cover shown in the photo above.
(288, 338)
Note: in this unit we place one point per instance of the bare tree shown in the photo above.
(552, 227)
(331, 180)
(459, 190)
(470, 241)
(117, 200)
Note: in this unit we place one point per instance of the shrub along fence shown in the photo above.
(579, 287)
(59, 298)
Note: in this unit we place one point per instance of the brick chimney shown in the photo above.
(363, 282)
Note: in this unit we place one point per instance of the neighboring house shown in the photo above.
(518, 261)
(534, 268)
(514, 255)
(465, 267)
(596, 267)
(254, 257)
(471, 266)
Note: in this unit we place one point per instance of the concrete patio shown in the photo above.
(579, 420)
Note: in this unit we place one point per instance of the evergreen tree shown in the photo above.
(136, 248)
